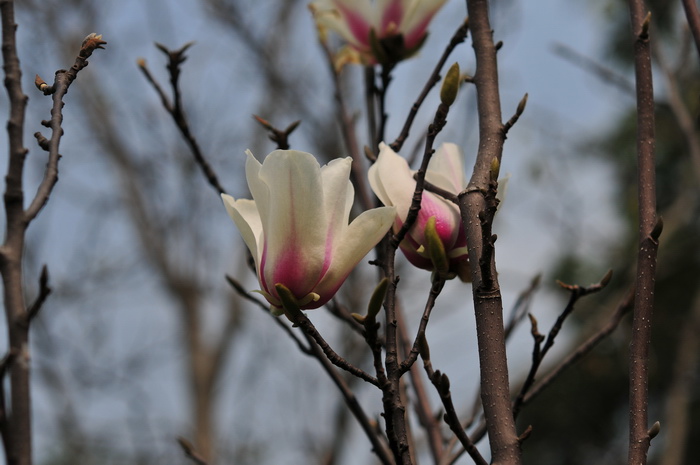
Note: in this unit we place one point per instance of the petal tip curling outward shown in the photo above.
(356, 242)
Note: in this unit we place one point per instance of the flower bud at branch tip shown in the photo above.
(606, 279)
(450, 85)
(521, 105)
(40, 84)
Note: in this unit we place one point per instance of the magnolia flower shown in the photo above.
(392, 181)
(296, 226)
(380, 31)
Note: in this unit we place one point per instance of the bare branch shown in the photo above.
(278, 136)
(539, 352)
(175, 59)
(649, 231)
(62, 81)
(477, 206)
(693, 16)
(458, 37)
(190, 451)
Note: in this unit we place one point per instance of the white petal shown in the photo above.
(392, 180)
(338, 194)
(295, 226)
(446, 169)
(245, 214)
(360, 237)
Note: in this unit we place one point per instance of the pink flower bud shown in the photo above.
(380, 31)
(392, 181)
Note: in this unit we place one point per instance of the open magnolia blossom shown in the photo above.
(296, 226)
(392, 181)
(380, 31)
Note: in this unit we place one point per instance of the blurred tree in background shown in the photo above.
(592, 398)
(143, 339)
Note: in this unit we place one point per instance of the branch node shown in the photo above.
(658, 228)
(644, 34)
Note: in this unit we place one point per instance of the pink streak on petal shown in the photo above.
(413, 37)
(444, 219)
(392, 15)
(358, 25)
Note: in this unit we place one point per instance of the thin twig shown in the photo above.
(589, 65)
(190, 451)
(265, 308)
(394, 410)
(424, 412)
(309, 329)
(442, 385)
(175, 59)
(435, 289)
(278, 136)
(314, 350)
(62, 81)
(44, 291)
(584, 349)
(347, 127)
(693, 16)
(649, 231)
(457, 38)
(539, 352)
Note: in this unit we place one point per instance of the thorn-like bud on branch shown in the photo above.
(654, 430)
(606, 279)
(450, 85)
(141, 62)
(568, 287)
(534, 330)
(292, 127)
(41, 85)
(444, 383)
(526, 434)
(377, 299)
(359, 318)
(521, 106)
(644, 34)
(44, 277)
(499, 45)
(658, 228)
